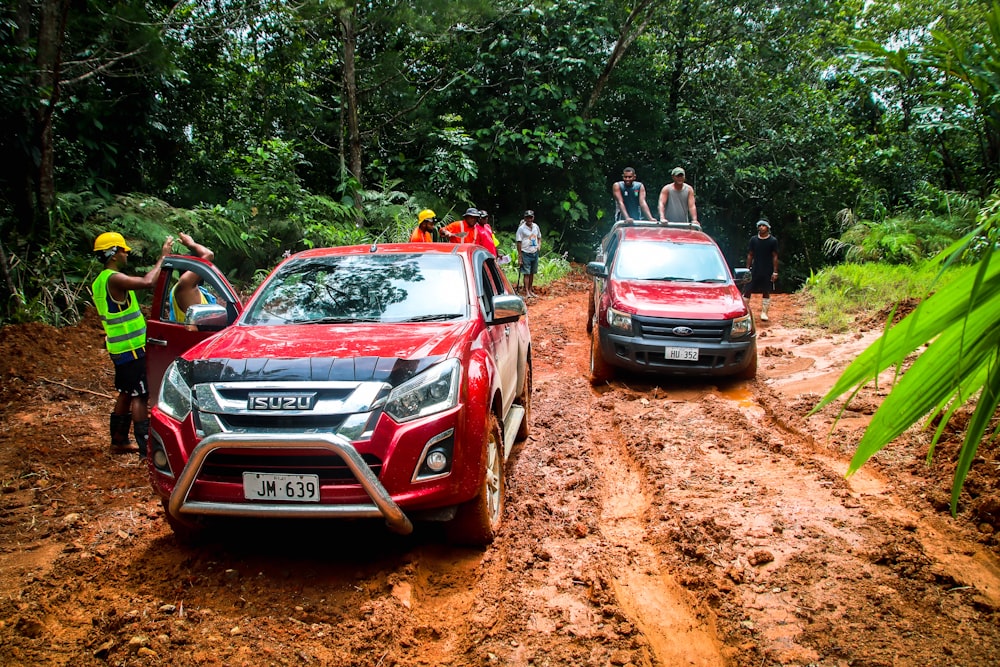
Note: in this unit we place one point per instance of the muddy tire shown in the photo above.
(750, 372)
(600, 370)
(478, 520)
(524, 400)
(590, 310)
(187, 533)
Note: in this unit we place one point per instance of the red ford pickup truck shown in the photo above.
(665, 302)
(358, 382)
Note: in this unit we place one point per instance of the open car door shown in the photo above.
(167, 339)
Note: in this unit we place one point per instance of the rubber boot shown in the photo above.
(120, 443)
(142, 436)
(763, 310)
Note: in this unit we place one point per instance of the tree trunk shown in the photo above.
(349, 36)
(51, 33)
(629, 33)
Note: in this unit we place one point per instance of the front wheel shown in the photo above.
(750, 372)
(600, 370)
(524, 400)
(477, 521)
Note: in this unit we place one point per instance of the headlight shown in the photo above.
(175, 394)
(620, 320)
(742, 326)
(434, 390)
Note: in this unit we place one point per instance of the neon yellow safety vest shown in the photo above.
(125, 328)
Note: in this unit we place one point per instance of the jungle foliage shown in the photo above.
(265, 127)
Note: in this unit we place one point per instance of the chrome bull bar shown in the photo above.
(382, 504)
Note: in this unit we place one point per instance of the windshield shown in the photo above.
(663, 260)
(363, 288)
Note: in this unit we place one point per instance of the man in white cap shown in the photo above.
(677, 200)
(762, 260)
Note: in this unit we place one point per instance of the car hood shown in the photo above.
(681, 300)
(319, 352)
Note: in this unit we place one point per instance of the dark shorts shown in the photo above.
(759, 285)
(130, 378)
(530, 263)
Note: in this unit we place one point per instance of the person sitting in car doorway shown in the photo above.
(187, 291)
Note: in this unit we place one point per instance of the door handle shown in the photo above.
(156, 341)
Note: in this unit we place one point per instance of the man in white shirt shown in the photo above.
(529, 241)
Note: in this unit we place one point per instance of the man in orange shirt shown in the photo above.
(425, 231)
(464, 230)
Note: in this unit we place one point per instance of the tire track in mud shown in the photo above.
(679, 633)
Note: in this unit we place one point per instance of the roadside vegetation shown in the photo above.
(867, 133)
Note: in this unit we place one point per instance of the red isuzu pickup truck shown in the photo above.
(358, 382)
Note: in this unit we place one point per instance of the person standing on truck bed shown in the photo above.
(677, 200)
(630, 198)
(125, 328)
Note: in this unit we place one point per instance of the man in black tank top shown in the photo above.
(630, 198)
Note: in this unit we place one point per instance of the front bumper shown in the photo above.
(644, 355)
(381, 503)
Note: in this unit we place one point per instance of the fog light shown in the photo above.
(437, 460)
(160, 459)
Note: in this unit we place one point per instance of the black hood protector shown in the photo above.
(313, 369)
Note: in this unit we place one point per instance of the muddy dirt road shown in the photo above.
(648, 523)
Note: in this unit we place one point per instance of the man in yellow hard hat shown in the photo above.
(125, 327)
(426, 230)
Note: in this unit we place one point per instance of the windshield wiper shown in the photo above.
(436, 317)
(335, 319)
(713, 280)
(676, 279)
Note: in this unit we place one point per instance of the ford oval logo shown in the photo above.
(683, 331)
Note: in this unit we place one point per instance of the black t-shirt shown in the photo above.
(763, 259)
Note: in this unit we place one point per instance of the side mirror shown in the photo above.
(741, 276)
(206, 317)
(508, 308)
(597, 269)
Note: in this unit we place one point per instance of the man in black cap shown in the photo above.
(464, 230)
(529, 242)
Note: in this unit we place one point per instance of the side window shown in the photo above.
(490, 266)
(489, 288)
(610, 251)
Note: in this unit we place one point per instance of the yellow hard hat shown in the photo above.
(425, 214)
(111, 240)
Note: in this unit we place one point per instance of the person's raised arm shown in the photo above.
(617, 192)
(691, 206)
(642, 203)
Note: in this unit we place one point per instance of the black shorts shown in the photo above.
(759, 285)
(130, 378)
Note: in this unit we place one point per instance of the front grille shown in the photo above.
(255, 423)
(348, 409)
(657, 328)
(229, 466)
